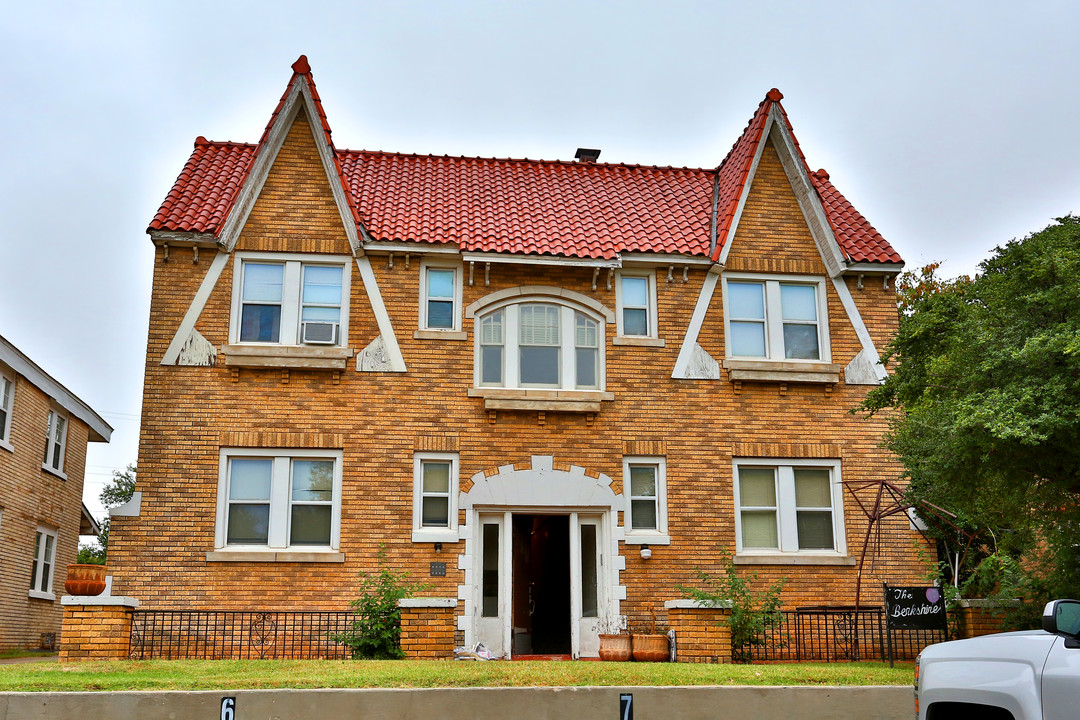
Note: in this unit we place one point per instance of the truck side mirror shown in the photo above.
(1062, 617)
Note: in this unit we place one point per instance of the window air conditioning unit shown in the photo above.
(318, 333)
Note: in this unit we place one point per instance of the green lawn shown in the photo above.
(245, 674)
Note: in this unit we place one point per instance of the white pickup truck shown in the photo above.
(1030, 675)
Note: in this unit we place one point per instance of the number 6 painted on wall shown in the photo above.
(228, 708)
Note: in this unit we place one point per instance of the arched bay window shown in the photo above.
(539, 342)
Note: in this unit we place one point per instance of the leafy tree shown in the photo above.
(986, 389)
(116, 492)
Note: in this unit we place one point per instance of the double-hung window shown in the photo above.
(635, 297)
(290, 299)
(435, 489)
(283, 499)
(540, 345)
(778, 318)
(7, 402)
(41, 573)
(55, 442)
(789, 507)
(645, 490)
(440, 297)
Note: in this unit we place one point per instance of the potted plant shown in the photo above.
(651, 646)
(615, 643)
(85, 579)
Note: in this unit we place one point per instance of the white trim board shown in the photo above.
(213, 274)
(686, 351)
(386, 328)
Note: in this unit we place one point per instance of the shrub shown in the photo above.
(375, 633)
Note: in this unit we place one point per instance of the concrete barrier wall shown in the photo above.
(649, 703)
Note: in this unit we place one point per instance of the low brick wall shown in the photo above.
(981, 617)
(427, 627)
(96, 628)
(701, 635)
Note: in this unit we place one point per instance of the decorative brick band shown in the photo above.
(644, 447)
(786, 450)
(282, 440)
(775, 265)
(437, 443)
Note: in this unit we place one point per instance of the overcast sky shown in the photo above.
(950, 125)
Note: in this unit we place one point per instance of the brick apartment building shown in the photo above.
(550, 389)
(44, 430)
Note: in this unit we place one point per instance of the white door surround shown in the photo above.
(538, 490)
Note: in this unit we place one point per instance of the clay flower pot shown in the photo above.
(615, 647)
(651, 648)
(85, 579)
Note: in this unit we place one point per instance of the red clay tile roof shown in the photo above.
(575, 209)
(857, 237)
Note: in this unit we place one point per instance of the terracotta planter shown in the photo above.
(615, 647)
(651, 648)
(85, 579)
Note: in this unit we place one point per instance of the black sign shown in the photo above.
(915, 608)
(626, 706)
(438, 569)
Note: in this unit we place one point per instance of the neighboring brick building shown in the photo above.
(512, 376)
(44, 430)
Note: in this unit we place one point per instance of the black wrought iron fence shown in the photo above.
(835, 634)
(221, 635)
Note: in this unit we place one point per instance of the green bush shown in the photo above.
(375, 633)
(752, 611)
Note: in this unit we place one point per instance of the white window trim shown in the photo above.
(659, 536)
(290, 307)
(567, 330)
(46, 594)
(46, 465)
(650, 277)
(5, 427)
(774, 324)
(278, 535)
(430, 534)
(787, 530)
(425, 265)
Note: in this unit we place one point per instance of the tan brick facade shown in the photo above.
(32, 497)
(428, 633)
(380, 420)
(701, 635)
(96, 632)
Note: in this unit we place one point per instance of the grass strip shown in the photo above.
(265, 674)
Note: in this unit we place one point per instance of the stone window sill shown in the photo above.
(585, 401)
(296, 556)
(4, 444)
(441, 335)
(53, 471)
(38, 595)
(794, 559)
(428, 535)
(643, 538)
(637, 341)
(782, 371)
(303, 357)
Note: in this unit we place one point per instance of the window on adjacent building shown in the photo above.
(291, 300)
(645, 490)
(279, 498)
(41, 574)
(636, 300)
(793, 507)
(55, 442)
(775, 318)
(435, 487)
(540, 345)
(440, 297)
(7, 401)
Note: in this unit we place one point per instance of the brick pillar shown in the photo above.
(427, 627)
(96, 628)
(983, 617)
(701, 632)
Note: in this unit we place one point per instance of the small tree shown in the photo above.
(375, 633)
(752, 611)
(116, 492)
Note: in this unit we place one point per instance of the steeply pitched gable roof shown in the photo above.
(573, 209)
